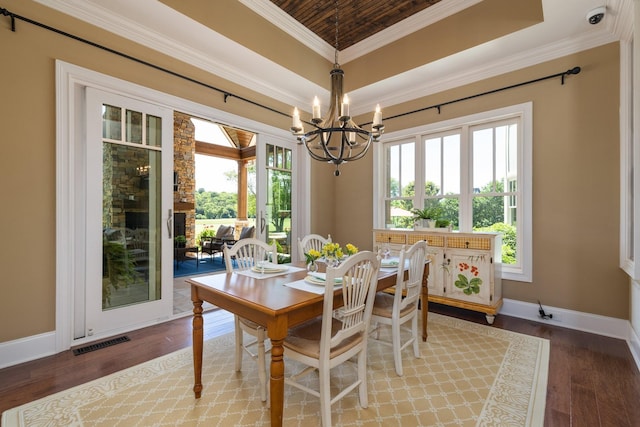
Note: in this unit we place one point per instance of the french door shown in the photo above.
(277, 195)
(129, 164)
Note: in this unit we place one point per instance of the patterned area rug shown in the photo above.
(469, 375)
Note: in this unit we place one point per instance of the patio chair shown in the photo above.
(402, 307)
(215, 244)
(337, 336)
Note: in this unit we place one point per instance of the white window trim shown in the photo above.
(525, 272)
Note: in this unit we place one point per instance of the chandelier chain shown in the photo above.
(336, 43)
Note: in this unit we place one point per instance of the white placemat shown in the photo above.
(258, 275)
(303, 285)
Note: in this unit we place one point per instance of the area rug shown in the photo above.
(192, 267)
(469, 375)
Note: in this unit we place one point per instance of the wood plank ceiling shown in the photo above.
(357, 19)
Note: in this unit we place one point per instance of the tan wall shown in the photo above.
(575, 165)
(575, 179)
(28, 136)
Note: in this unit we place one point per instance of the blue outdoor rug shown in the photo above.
(204, 265)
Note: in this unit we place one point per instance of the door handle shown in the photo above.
(170, 223)
(262, 222)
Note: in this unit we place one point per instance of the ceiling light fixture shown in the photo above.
(336, 138)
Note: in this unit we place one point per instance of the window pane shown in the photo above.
(451, 211)
(134, 127)
(287, 159)
(512, 150)
(433, 166)
(487, 211)
(112, 122)
(270, 155)
(393, 171)
(154, 131)
(451, 162)
(483, 161)
(407, 170)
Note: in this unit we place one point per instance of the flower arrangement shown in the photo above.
(312, 256)
(332, 251)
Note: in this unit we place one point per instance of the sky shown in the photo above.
(210, 170)
(210, 174)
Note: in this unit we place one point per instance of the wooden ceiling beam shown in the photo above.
(225, 152)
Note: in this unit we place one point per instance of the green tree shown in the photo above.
(488, 210)
(280, 198)
(212, 205)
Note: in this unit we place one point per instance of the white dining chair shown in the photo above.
(402, 307)
(245, 254)
(311, 241)
(337, 336)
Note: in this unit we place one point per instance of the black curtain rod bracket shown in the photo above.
(5, 12)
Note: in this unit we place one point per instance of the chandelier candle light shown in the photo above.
(336, 139)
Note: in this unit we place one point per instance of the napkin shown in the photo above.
(323, 276)
(389, 262)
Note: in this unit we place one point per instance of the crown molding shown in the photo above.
(422, 19)
(295, 29)
(157, 26)
(437, 76)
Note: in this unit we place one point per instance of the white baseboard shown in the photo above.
(27, 349)
(587, 322)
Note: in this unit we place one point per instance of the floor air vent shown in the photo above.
(98, 346)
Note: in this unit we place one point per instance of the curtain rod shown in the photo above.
(227, 94)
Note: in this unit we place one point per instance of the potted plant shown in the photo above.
(443, 223)
(427, 216)
(181, 241)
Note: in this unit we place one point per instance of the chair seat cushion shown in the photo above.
(383, 306)
(305, 338)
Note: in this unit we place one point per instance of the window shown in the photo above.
(475, 171)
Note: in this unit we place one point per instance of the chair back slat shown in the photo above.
(408, 291)
(247, 252)
(312, 241)
(359, 277)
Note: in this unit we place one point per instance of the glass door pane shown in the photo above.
(131, 225)
(279, 192)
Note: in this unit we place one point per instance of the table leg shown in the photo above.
(276, 382)
(425, 300)
(197, 347)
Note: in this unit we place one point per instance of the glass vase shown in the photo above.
(312, 267)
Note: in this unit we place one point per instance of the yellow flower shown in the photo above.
(312, 255)
(330, 250)
(351, 249)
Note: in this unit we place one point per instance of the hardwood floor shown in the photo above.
(593, 380)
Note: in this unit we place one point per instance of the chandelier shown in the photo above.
(336, 138)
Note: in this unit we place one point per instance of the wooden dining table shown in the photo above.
(270, 303)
